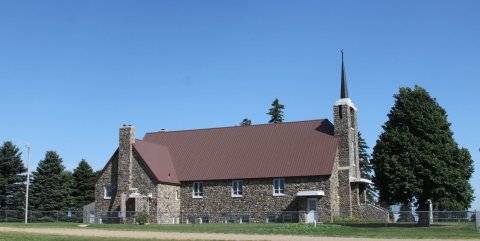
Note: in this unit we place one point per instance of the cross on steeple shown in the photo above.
(343, 89)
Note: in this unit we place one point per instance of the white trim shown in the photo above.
(239, 184)
(345, 101)
(136, 194)
(310, 193)
(363, 180)
(279, 189)
(105, 191)
(198, 193)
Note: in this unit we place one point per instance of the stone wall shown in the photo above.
(257, 202)
(334, 190)
(141, 182)
(168, 204)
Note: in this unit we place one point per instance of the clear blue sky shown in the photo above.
(72, 72)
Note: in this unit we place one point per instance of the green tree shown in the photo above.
(50, 184)
(276, 112)
(83, 190)
(406, 214)
(366, 167)
(416, 157)
(12, 179)
(246, 122)
(70, 203)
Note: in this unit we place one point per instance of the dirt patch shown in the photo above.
(185, 236)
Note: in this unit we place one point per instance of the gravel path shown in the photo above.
(185, 236)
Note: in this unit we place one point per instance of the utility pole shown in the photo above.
(28, 183)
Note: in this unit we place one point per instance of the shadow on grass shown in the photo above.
(389, 225)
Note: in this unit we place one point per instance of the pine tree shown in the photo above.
(246, 122)
(84, 179)
(68, 180)
(12, 179)
(49, 190)
(276, 112)
(366, 167)
(416, 157)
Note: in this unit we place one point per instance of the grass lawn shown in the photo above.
(44, 237)
(370, 230)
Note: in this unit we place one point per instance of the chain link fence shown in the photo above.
(397, 218)
(15, 216)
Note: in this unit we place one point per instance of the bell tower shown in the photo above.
(346, 130)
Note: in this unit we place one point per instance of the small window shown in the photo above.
(237, 188)
(197, 190)
(278, 187)
(177, 197)
(107, 194)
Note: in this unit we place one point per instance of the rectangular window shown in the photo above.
(176, 195)
(278, 187)
(107, 194)
(237, 188)
(197, 190)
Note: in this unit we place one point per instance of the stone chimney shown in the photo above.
(125, 158)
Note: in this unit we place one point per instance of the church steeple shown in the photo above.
(343, 88)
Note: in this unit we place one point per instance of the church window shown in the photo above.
(340, 114)
(352, 117)
(279, 187)
(197, 191)
(237, 188)
(107, 191)
(177, 195)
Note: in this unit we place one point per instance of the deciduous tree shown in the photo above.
(416, 157)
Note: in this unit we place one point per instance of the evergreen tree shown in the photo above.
(416, 157)
(67, 177)
(12, 179)
(276, 112)
(366, 167)
(84, 180)
(246, 122)
(49, 184)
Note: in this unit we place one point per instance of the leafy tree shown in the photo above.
(406, 214)
(276, 112)
(246, 122)
(50, 184)
(12, 179)
(366, 167)
(83, 190)
(416, 157)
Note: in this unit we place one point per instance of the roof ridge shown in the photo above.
(227, 127)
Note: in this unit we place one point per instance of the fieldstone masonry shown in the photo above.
(131, 180)
(257, 201)
(345, 119)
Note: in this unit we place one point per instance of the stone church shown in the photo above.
(301, 171)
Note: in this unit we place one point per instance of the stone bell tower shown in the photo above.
(346, 129)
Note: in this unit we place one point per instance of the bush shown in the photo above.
(142, 218)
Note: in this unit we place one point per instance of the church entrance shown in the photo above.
(312, 206)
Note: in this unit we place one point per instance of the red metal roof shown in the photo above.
(157, 158)
(303, 148)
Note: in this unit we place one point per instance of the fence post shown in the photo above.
(477, 220)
